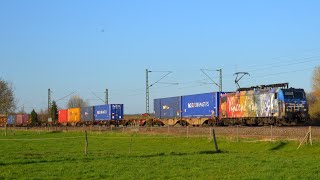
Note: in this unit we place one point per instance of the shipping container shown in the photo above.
(102, 112)
(117, 112)
(12, 119)
(157, 107)
(87, 114)
(167, 108)
(3, 120)
(63, 116)
(74, 115)
(22, 119)
(200, 105)
(108, 112)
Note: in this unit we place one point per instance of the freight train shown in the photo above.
(15, 120)
(107, 114)
(274, 104)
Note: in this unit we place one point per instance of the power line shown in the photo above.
(97, 96)
(286, 72)
(281, 65)
(290, 64)
(65, 96)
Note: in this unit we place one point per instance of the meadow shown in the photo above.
(116, 155)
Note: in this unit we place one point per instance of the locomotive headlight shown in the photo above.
(305, 109)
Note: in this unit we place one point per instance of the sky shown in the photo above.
(83, 47)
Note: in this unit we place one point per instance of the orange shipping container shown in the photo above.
(74, 115)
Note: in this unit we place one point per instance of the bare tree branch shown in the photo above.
(76, 101)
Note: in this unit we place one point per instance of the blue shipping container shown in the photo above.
(102, 112)
(108, 112)
(87, 113)
(157, 107)
(201, 105)
(166, 108)
(12, 119)
(117, 112)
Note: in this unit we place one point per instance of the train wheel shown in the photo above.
(278, 123)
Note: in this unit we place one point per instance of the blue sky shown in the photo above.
(88, 46)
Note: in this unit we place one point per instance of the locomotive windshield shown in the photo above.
(288, 95)
(298, 95)
(294, 94)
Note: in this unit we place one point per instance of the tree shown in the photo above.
(76, 101)
(54, 111)
(43, 116)
(314, 97)
(7, 100)
(34, 118)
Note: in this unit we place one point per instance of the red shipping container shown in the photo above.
(22, 119)
(63, 116)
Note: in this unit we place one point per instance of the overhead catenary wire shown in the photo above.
(96, 96)
(66, 96)
(286, 72)
(276, 66)
(284, 65)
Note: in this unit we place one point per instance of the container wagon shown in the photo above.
(109, 114)
(197, 109)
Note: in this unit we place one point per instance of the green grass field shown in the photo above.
(60, 155)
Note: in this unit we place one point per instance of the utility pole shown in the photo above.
(220, 87)
(49, 103)
(147, 92)
(157, 82)
(107, 97)
(220, 79)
